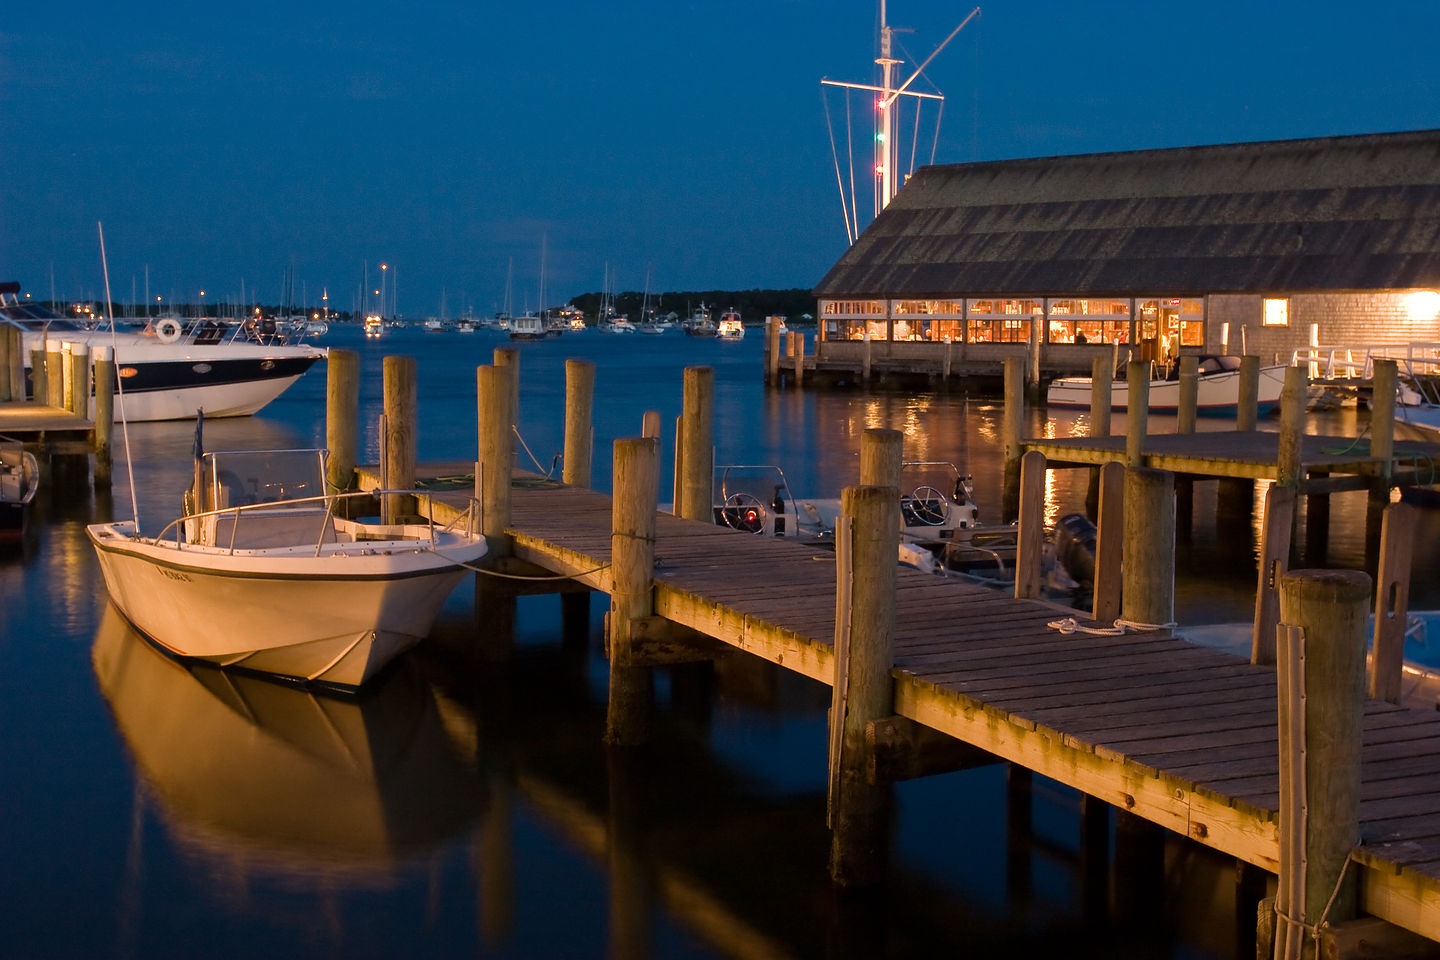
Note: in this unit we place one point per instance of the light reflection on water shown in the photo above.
(469, 807)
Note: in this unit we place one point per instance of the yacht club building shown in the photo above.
(1266, 247)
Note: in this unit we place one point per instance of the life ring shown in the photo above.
(167, 330)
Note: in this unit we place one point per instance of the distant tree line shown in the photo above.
(754, 305)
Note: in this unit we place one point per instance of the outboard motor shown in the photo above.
(1075, 546)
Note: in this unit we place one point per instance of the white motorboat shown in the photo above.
(170, 370)
(1217, 390)
(939, 521)
(699, 323)
(528, 327)
(730, 327)
(273, 578)
(1424, 417)
(19, 479)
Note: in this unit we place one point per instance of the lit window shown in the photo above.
(1277, 312)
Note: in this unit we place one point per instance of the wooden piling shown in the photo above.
(40, 376)
(1137, 414)
(1292, 427)
(772, 352)
(1011, 424)
(1032, 373)
(1247, 410)
(579, 427)
(1149, 565)
(1102, 376)
(1032, 525)
(55, 372)
(880, 457)
(79, 380)
(1382, 415)
(17, 363)
(104, 414)
(1274, 560)
(799, 356)
(632, 552)
(342, 416)
(494, 396)
(400, 410)
(1392, 601)
(948, 363)
(509, 357)
(696, 495)
(6, 348)
(1321, 676)
(650, 424)
(1189, 394)
(67, 372)
(865, 364)
(1109, 542)
(863, 690)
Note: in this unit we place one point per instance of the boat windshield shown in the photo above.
(242, 478)
(35, 317)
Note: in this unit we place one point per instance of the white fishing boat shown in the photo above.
(270, 576)
(172, 368)
(1217, 390)
(617, 325)
(19, 479)
(730, 326)
(699, 324)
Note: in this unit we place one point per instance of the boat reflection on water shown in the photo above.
(282, 780)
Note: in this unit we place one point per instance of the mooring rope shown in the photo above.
(1071, 625)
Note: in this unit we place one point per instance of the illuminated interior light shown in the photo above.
(1423, 305)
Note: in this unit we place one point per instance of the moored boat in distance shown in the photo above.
(1217, 394)
(699, 324)
(269, 577)
(528, 327)
(730, 326)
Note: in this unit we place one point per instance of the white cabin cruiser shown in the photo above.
(271, 577)
(1217, 390)
(169, 370)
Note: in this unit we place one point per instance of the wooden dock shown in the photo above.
(1180, 735)
(1335, 463)
(57, 429)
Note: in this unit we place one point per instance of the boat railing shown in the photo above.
(470, 516)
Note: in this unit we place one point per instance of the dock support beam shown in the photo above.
(1247, 405)
(1321, 677)
(399, 398)
(39, 376)
(1109, 542)
(1011, 425)
(694, 494)
(579, 426)
(1102, 373)
(104, 414)
(1149, 565)
(863, 690)
(1392, 601)
(632, 552)
(1274, 561)
(1032, 525)
(342, 413)
(1137, 412)
(772, 352)
(880, 457)
(55, 373)
(494, 394)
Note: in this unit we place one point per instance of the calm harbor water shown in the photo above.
(470, 808)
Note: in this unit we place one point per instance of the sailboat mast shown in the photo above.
(885, 147)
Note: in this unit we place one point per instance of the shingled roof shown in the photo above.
(1294, 216)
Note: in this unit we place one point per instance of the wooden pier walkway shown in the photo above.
(60, 430)
(1181, 735)
(1250, 454)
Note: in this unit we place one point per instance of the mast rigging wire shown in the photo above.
(119, 389)
(835, 155)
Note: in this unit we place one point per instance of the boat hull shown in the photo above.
(284, 612)
(1217, 394)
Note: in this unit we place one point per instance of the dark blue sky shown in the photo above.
(226, 143)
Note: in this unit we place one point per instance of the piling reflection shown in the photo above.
(266, 777)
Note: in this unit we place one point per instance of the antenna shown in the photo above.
(887, 146)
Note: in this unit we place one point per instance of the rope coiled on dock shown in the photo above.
(1071, 625)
